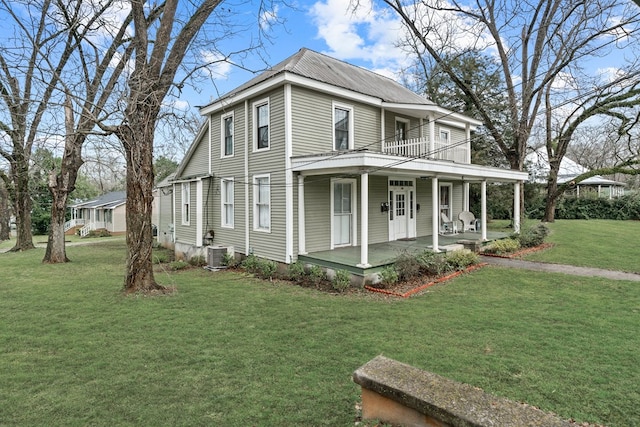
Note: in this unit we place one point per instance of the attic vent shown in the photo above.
(215, 256)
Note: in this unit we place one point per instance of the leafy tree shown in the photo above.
(163, 167)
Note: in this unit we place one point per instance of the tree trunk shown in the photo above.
(139, 155)
(5, 217)
(552, 191)
(22, 205)
(56, 251)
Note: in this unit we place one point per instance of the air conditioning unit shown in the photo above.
(215, 256)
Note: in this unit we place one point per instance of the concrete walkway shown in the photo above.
(560, 268)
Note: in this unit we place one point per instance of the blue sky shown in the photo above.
(365, 38)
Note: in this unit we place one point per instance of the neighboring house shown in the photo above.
(537, 164)
(317, 155)
(106, 212)
(162, 212)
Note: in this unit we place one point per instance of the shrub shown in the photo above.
(503, 246)
(341, 281)
(459, 260)
(229, 260)
(407, 266)
(533, 236)
(296, 272)
(250, 263)
(317, 275)
(198, 261)
(179, 265)
(432, 263)
(98, 233)
(266, 269)
(388, 277)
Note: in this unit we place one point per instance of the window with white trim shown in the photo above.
(262, 203)
(227, 135)
(342, 127)
(261, 125)
(445, 136)
(186, 202)
(227, 202)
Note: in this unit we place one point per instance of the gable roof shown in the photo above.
(315, 66)
(538, 165)
(106, 201)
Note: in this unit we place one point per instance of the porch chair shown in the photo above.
(469, 222)
(448, 226)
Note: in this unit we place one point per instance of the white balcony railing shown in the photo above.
(422, 148)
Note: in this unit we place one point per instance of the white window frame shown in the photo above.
(354, 210)
(186, 203)
(256, 205)
(407, 123)
(447, 138)
(349, 108)
(223, 140)
(255, 107)
(224, 203)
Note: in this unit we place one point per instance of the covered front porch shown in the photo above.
(383, 254)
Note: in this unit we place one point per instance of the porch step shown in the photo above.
(452, 247)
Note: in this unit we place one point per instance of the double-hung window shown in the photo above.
(342, 127)
(186, 202)
(227, 135)
(262, 203)
(261, 122)
(227, 203)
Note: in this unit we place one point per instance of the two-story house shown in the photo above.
(319, 156)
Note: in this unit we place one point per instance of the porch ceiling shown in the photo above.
(363, 161)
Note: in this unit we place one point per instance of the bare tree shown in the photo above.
(159, 45)
(26, 98)
(534, 41)
(615, 101)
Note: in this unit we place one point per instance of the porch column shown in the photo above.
(435, 212)
(516, 207)
(364, 220)
(465, 196)
(302, 248)
(483, 209)
(467, 130)
(432, 136)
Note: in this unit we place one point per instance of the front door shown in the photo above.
(400, 215)
(342, 213)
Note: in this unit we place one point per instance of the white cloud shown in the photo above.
(364, 34)
(217, 67)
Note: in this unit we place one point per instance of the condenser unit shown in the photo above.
(215, 256)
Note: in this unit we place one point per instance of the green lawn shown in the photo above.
(228, 350)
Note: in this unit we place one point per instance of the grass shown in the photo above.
(230, 350)
(611, 245)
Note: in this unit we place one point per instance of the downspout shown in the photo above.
(246, 177)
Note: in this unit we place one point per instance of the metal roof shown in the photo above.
(322, 68)
(106, 201)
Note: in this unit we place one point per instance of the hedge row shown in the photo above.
(623, 208)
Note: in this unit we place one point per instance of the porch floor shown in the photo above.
(382, 254)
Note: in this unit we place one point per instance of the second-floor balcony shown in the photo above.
(426, 149)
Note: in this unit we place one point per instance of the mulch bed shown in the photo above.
(407, 289)
(521, 252)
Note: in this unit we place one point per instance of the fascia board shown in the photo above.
(377, 163)
(454, 118)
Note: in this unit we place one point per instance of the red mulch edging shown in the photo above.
(426, 285)
(521, 252)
